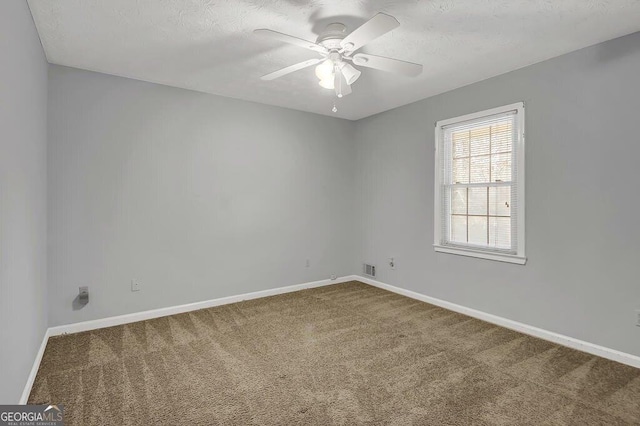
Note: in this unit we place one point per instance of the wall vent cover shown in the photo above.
(369, 270)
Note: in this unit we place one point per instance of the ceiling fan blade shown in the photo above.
(291, 40)
(370, 30)
(387, 64)
(340, 84)
(291, 68)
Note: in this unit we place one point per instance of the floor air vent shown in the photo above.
(369, 270)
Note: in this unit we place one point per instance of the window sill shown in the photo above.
(510, 258)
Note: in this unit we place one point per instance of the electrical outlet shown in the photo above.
(308, 263)
(135, 285)
(83, 295)
(638, 318)
(392, 263)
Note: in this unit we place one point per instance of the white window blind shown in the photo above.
(479, 184)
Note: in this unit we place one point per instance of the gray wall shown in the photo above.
(23, 134)
(194, 195)
(582, 278)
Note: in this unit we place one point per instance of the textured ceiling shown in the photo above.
(208, 45)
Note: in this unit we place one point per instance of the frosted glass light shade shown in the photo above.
(328, 83)
(350, 73)
(324, 71)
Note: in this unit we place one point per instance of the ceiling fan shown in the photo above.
(336, 47)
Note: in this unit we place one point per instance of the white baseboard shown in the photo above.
(172, 310)
(34, 369)
(560, 339)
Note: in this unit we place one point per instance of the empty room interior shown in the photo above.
(316, 212)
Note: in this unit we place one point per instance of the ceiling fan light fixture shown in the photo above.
(324, 71)
(327, 83)
(350, 73)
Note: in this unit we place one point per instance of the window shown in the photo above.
(479, 185)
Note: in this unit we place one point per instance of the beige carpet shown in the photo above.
(342, 354)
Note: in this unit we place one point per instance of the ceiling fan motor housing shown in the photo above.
(332, 36)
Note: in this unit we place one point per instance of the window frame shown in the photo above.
(518, 258)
